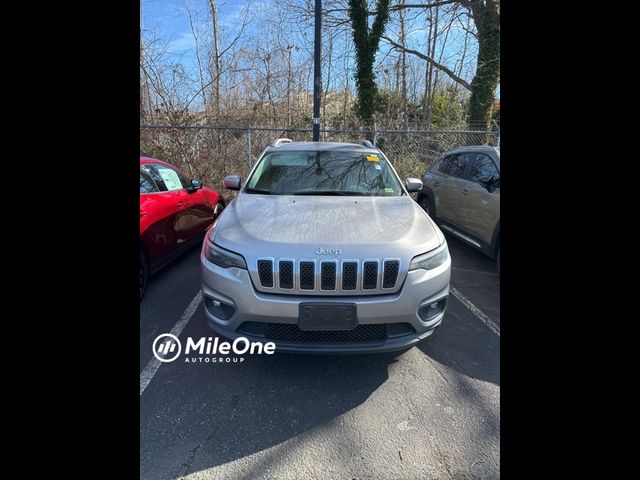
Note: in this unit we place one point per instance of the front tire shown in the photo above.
(218, 210)
(426, 205)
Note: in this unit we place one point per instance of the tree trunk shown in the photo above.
(289, 82)
(216, 57)
(403, 66)
(366, 42)
(452, 94)
(196, 38)
(347, 97)
(485, 82)
(429, 82)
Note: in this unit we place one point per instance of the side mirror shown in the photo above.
(195, 185)
(413, 184)
(232, 182)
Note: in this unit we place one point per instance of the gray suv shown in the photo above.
(324, 250)
(462, 193)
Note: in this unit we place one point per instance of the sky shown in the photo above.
(167, 18)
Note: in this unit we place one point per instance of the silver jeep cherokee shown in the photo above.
(324, 250)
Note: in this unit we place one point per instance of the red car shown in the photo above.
(175, 212)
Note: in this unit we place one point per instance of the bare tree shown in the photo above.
(195, 31)
(328, 77)
(486, 16)
(215, 60)
(264, 75)
(429, 88)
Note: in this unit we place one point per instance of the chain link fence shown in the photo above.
(209, 153)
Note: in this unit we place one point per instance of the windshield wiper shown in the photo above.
(328, 192)
(257, 190)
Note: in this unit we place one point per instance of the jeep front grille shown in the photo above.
(328, 277)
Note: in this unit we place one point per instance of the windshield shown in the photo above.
(324, 173)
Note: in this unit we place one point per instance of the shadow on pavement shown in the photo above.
(249, 407)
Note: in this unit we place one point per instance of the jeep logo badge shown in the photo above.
(328, 251)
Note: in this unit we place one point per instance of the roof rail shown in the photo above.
(281, 141)
(367, 143)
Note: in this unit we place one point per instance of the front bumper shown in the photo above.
(232, 287)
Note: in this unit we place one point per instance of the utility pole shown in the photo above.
(317, 76)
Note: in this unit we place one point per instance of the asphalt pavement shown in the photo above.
(431, 413)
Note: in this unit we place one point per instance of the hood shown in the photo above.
(297, 226)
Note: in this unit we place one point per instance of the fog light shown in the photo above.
(432, 310)
(218, 309)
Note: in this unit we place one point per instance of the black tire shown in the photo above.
(218, 210)
(498, 260)
(426, 205)
(144, 274)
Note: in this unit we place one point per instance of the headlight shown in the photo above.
(430, 260)
(221, 257)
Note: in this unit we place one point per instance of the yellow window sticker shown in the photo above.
(373, 158)
(170, 178)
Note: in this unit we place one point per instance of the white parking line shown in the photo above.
(153, 365)
(476, 311)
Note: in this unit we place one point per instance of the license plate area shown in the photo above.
(327, 316)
